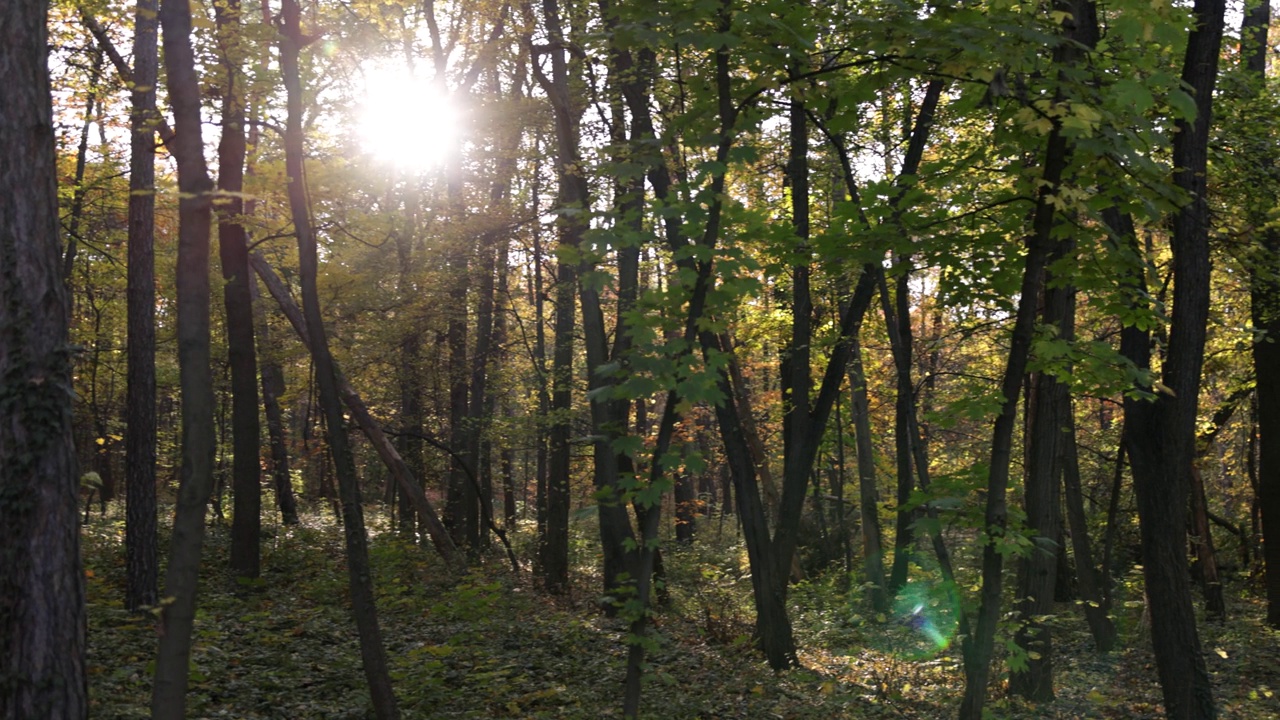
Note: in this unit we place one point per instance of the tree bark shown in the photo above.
(42, 596)
(1091, 582)
(868, 492)
(1048, 406)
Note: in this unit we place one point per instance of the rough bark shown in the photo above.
(42, 615)
(168, 699)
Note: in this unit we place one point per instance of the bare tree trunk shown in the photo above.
(168, 699)
(42, 597)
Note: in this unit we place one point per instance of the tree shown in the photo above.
(42, 615)
(1264, 296)
(1160, 429)
(168, 698)
(140, 419)
(246, 520)
(363, 606)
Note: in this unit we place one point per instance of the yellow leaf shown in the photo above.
(757, 690)
(1221, 653)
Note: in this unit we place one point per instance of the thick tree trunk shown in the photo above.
(246, 522)
(168, 699)
(363, 606)
(141, 564)
(42, 613)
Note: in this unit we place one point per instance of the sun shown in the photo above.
(404, 120)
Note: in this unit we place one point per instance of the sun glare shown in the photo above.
(405, 121)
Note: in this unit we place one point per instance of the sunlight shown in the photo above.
(404, 120)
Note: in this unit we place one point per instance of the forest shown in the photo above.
(639, 358)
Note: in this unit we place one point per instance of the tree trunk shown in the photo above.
(409, 442)
(1091, 583)
(868, 492)
(363, 607)
(978, 647)
(272, 390)
(1264, 294)
(1047, 408)
(246, 522)
(142, 567)
(1161, 432)
(1205, 562)
(572, 193)
(168, 699)
(42, 596)
(898, 320)
(461, 503)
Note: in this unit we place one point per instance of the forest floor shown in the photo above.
(489, 646)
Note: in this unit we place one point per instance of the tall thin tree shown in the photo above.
(168, 697)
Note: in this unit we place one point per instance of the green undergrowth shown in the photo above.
(488, 645)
